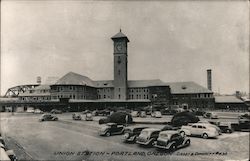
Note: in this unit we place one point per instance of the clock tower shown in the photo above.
(120, 65)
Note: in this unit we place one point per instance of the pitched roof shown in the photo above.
(120, 35)
(227, 99)
(176, 87)
(187, 87)
(72, 78)
(145, 83)
(104, 83)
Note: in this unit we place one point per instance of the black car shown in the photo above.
(131, 133)
(225, 127)
(169, 127)
(111, 129)
(171, 140)
(148, 136)
(48, 117)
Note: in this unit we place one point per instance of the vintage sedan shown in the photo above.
(148, 136)
(156, 114)
(135, 113)
(210, 115)
(48, 117)
(111, 129)
(76, 116)
(131, 133)
(226, 127)
(244, 118)
(38, 111)
(88, 117)
(169, 127)
(171, 140)
(200, 129)
(55, 111)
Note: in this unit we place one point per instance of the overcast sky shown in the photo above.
(171, 41)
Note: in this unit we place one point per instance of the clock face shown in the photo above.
(118, 47)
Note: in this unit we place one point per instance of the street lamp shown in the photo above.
(154, 96)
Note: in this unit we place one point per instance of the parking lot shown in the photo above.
(67, 139)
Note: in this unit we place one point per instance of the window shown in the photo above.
(119, 89)
(132, 96)
(119, 96)
(119, 72)
(199, 126)
(104, 96)
(194, 126)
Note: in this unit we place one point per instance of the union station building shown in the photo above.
(81, 91)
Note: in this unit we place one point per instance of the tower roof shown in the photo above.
(119, 35)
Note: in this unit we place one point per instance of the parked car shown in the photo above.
(214, 124)
(48, 117)
(55, 111)
(7, 155)
(226, 127)
(200, 129)
(244, 118)
(2, 140)
(171, 140)
(143, 114)
(135, 114)
(111, 129)
(156, 114)
(169, 127)
(131, 133)
(86, 111)
(88, 117)
(76, 116)
(168, 112)
(30, 110)
(148, 136)
(101, 112)
(38, 111)
(210, 115)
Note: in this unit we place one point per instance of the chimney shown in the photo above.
(209, 79)
(38, 80)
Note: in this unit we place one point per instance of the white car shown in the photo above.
(210, 115)
(156, 114)
(30, 110)
(135, 114)
(38, 111)
(204, 130)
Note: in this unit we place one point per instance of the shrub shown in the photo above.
(117, 117)
(183, 118)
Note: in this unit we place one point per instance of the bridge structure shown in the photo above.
(15, 91)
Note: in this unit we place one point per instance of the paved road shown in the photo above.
(79, 140)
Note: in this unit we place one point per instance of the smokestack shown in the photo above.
(38, 80)
(209, 79)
